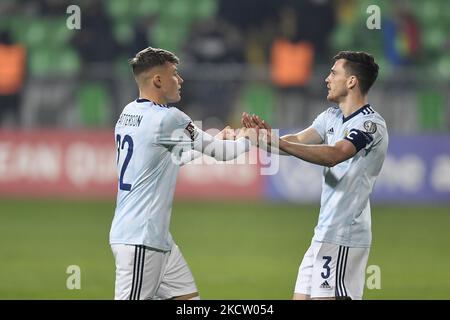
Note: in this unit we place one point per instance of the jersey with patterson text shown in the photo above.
(345, 215)
(145, 135)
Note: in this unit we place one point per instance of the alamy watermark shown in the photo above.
(374, 20)
(73, 21)
(74, 279)
(373, 280)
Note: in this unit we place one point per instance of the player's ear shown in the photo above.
(157, 82)
(351, 82)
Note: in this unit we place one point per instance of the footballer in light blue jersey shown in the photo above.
(344, 217)
(152, 141)
(147, 173)
(350, 141)
(149, 138)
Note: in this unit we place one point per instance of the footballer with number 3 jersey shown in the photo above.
(350, 141)
(152, 141)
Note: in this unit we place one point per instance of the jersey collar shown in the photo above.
(141, 100)
(365, 108)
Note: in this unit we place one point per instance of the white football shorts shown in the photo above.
(330, 270)
(144, 273)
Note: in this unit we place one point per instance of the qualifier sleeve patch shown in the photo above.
(191, 130)
(370, 127)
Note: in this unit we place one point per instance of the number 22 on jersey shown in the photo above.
(120, 146)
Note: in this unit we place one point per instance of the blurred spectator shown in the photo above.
(141, 35)
(291, 66)
(315, 23)
(211, 42)
(214, 41)
(95, 41)
(258, 41)
(53, 7)
(246, 14)
(301, 42)
(291, 59)
(12, 76)
(98, 49)
(401, 36)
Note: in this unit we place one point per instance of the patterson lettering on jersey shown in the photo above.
(132, 120)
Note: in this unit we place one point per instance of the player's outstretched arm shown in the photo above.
(306, 145)
(227, 133)
(222, 150)
(215, 146)
(323, 155)
(330, 155)
(307, 136)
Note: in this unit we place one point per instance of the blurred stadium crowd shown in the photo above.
(265, 57)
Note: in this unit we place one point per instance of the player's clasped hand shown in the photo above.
(262, 129)
(227, 133)
(246, 120)
(249, 133)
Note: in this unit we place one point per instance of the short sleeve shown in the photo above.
(319, 124)
(173, 127)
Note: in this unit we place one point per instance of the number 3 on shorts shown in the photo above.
(326, 267)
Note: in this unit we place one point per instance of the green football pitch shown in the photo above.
(235, 250)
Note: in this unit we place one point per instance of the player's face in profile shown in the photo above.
(337, 82)
(171, 83)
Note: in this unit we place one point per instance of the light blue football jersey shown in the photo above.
(147, 173)
(345, 216)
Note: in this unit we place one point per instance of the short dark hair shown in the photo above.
(362, 65)
(151, 57)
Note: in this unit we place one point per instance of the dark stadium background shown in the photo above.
(243, 227)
